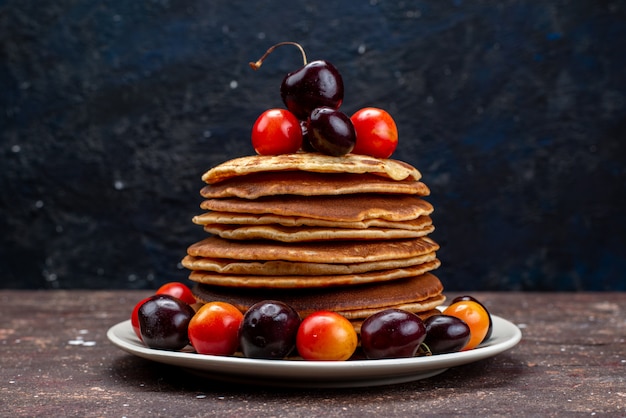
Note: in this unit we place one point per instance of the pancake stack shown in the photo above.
(347, 234)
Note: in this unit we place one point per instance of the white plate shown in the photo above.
(300, 373)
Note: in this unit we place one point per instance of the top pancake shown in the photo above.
(253, 186)
(311, 162)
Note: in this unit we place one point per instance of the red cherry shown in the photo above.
(326, 335)
(214, 329)
(376, 132)
(134, 317)
(178, 290)
(276, 131)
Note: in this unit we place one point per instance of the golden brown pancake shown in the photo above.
(233, 218)
(416, 307)
(422, 292)
(332, 252)
(299, 282)
(295, 268)
(344, 208)
(304, 234)
(311, 162)
(253, 186)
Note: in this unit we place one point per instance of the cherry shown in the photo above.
(475, 316)
(392, 333)
(276, 131)
(163, 322)
(214, 329)
(178, 290)
(473, 299)
(134, 318)
(446, 334)
(326, 335)
(268, 330)
(316, 84)
(376, 132)
(331, 132)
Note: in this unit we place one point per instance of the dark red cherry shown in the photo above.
(163, 322)
(446, 334)
(392, 333)
(331, 132)
(268, 330)
(317, 84)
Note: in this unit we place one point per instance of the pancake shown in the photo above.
(294, 268)
(233, 218)
(311, 162)
(299, 282)
(304, 234)
(332, 252)
(253, 186)
(420, 307)
(423, 292)
(343, 208)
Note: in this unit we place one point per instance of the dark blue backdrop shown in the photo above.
(514, 112)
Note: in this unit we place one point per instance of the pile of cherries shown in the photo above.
(172, 320)
(313, 121)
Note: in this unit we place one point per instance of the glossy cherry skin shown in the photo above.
(392, 333)
(134, 317)
(276, 131)
(446, 334)
(473, 299)
(178, 290)
(163, 322)
(317, 84)
(331, 132)
(376, 132)
(214, 329)
(475, 316)
(326, 336)
(268, 330)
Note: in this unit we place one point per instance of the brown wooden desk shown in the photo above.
(56, 361)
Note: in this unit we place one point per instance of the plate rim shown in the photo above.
(349, 373)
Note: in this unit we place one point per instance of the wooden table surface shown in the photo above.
(57, 361)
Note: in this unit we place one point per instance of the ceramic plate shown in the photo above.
(300, 373)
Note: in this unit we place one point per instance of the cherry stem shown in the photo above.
(256, 65)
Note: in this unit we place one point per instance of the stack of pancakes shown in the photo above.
(347, 234)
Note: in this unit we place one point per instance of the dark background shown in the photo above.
(513, 111)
